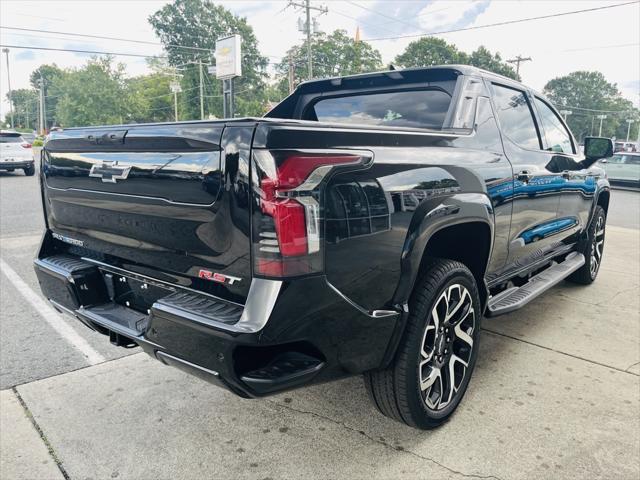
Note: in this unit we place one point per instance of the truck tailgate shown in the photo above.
(153, 199)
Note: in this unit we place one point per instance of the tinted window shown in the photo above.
(421, 109)
(11, 139)
(557, 136)
(514, 113)
(616, 159)
(632, 159)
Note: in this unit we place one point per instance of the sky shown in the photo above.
(605, 40)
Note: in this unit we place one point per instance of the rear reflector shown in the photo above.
(287, 225)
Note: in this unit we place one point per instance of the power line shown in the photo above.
(73, 50)
(104, 37)
(498, 24)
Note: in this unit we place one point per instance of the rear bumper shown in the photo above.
(17, 163)
(285, 336)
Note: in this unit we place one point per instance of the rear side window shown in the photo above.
(516, 118)
(632, 159)
(416, 109)
(11, 139)
(557, 136)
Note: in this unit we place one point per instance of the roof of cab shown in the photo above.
(456, 69)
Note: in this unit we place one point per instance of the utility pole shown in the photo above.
(308, 29)
(629, 122)
(601, 117)
(6, 52)
(291, 77)
(518, 60)
(201, 91)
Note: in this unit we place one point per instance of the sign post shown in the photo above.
(228, 56)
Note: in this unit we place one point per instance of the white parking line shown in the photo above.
(52, 317)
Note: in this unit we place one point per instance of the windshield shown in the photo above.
(415, 108)
(10, 138)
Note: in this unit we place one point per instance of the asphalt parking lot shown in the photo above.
(556, 392)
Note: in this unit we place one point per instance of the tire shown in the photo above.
(29, 171)
(592, 250)
(447, 287)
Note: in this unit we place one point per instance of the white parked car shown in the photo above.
(15, 153)
(623, 168)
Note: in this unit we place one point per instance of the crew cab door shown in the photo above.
(537, 187)
(578, 184)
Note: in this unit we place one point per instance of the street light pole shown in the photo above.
(42, 118)
(629, 122)
(201, 91)
(6, 52)
(175, 88)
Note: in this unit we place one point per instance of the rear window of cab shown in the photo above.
(408, 108)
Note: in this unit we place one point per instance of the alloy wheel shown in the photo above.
(597, 246)
(447, 344)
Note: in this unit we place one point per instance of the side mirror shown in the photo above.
(596, 148)
(604, 160)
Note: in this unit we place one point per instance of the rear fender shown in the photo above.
(429, 218)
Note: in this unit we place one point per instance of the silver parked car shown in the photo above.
(623, 168)
(15, 153)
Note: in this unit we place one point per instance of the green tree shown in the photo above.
(587, 94)
(49, 74)
(95, 94)
(333, 55)
(429, 51)
(25, 108)
(483, 58)
(198, 23)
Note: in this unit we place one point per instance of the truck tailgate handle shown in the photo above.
(111, 137)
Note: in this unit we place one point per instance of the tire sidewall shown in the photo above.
(425, 416)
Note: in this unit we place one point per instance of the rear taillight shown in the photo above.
(25, 145)
(287, 211)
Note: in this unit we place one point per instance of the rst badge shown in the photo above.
(110, 172)
(218, 277)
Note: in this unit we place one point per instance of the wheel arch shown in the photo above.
(444, 230)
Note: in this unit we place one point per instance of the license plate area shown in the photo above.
(135, 293)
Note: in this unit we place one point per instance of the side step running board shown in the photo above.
(517, 297)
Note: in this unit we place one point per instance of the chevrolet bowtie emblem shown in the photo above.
(110, 172)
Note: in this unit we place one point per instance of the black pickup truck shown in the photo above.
(364, 226)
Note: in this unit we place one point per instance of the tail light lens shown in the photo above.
(25, 145)
(287, 209)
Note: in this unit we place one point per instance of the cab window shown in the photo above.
(557, 136)
(516, 117)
